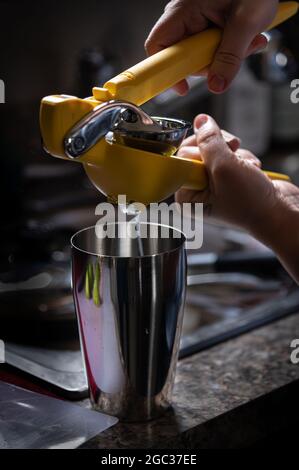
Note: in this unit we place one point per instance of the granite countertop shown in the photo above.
(228, 396)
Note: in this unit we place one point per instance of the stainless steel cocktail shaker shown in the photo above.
(129, 294)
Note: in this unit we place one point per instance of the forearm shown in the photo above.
(282, 236)
(287, 246)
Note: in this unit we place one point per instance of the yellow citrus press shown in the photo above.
(123, 150)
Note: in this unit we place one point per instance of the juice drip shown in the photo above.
(134, 213)
(132, 210)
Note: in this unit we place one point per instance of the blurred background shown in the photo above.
(67, 47)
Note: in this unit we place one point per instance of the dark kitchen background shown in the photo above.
(68, 47)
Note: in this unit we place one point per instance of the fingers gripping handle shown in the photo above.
(155, 74)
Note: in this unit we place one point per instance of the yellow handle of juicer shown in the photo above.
(197, 178)
(277, 176)
(155, 74)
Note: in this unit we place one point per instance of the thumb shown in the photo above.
(213, 149)
(237, 37)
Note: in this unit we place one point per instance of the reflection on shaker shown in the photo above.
(98, 333)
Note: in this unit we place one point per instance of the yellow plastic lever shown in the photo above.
(155, 74)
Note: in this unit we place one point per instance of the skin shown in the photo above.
(242, 22)
(241, 194)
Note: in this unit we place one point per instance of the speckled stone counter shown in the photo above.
(226, 397)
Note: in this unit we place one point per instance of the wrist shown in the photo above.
(272, 231)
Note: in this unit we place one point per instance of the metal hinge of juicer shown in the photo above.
(107, 117)
(127, 121)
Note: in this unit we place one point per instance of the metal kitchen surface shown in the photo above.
(32, 421)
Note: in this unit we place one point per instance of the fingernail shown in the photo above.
(200, 121)
(259, 43)
(217, 83)
(260, 49)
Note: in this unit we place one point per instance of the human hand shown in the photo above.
(242, 21)
(241, 194)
